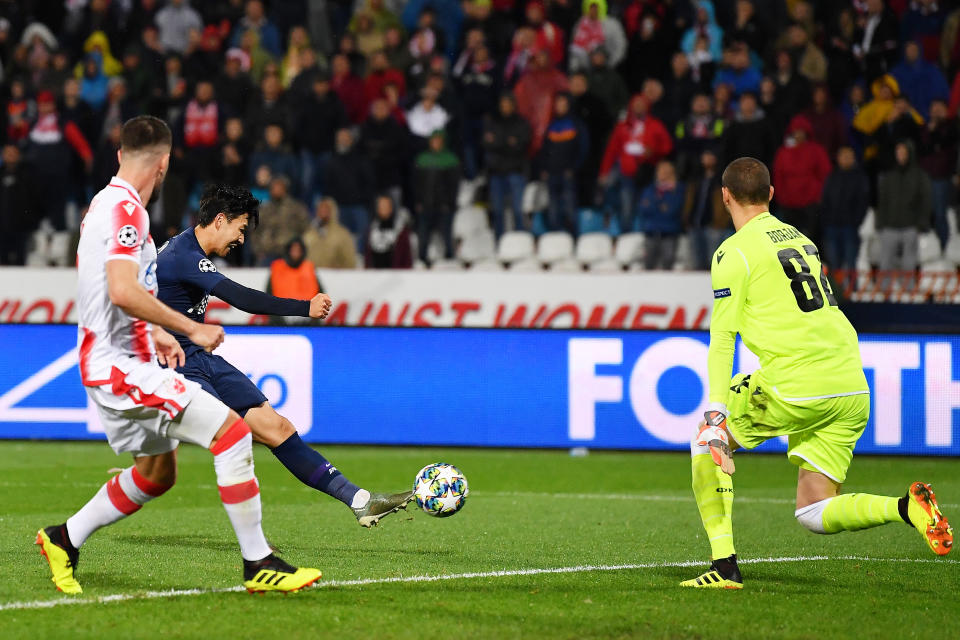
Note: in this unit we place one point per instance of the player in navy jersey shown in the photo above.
(187, 278)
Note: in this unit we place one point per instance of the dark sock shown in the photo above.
(58, 535)
(727, 567)
(313, 470)
(902, 508)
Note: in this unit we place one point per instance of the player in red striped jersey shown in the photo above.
(147, 410)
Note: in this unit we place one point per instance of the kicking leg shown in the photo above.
(315, 471)
(713, 490)
(123, 495)
(822, 509)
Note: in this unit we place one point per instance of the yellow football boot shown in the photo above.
(723, 574)
(61, 557)
(273, 574)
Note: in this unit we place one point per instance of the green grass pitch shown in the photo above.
(623, 528)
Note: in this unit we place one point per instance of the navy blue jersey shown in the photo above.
(186, 276)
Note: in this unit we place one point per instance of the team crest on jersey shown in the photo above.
(127, 236)
(129, 207)
(207, 266)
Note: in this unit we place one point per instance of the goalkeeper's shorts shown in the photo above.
(821, 433)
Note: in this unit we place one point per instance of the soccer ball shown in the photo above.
(440, 489)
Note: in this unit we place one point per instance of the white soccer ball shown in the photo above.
(440, 489)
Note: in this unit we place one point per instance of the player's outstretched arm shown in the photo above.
(126, 292)
(253, 301)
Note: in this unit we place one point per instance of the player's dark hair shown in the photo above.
(748, 181)
(144, 132)
(229, 200)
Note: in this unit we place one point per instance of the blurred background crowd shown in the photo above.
(366, 127)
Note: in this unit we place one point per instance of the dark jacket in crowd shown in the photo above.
(846, 196)
(384, 142)
(436, 181)
(350, 179)
(317, 122)
(565, 146)
(506, 141)
(938, 149)
(904, 198)
(753, 138)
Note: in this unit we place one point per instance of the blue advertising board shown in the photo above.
(479, 387)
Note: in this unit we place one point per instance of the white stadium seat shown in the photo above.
(469, 220)
(529, 265)
(629, 248)
(952, 254)
(535, 197)
(610, 265)
(516, 245)
(567, 265)
(929, 248)
(555, 246)
(477, 246)
(594, 247)
(487, 265)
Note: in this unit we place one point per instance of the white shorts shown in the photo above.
(148, 410)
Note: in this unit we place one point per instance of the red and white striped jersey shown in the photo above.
(116, 227)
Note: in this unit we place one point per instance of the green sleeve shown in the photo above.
(729, 273)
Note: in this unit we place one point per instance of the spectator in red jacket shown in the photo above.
(800, 168)
(380, 75)
(349, 88)
(549, 36)
(636, 145)
(535, 91)
(829, 128)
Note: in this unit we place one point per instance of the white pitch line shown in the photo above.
(506, 573)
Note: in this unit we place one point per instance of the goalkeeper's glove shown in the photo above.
(713, 434)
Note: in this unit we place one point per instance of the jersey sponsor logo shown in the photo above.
(206, 266)
(720, 255)
(127, 236)
(129, 207)
(721, 293)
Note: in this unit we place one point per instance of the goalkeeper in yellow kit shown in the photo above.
(768, 286)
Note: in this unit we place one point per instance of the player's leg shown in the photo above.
(315, 471)
(824, 455)
(209, 423)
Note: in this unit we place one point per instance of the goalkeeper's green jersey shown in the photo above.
(768, 286)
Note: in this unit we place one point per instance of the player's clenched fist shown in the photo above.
(208, 336)
(320, 306)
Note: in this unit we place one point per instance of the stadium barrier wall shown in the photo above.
(656, 300)
(476, 387)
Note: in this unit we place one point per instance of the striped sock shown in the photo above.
(239, 490)
(121, 496)
(713, 490)
(855, 511)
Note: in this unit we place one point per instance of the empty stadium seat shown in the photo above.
(555, 246)
(609, 265)
(469, 220)
(566, 265)
(928, 248)
(594, 247)
(487, 265)
(477, 246)
(447, 265)
(629, 248)
(516, 245)
(529, 265)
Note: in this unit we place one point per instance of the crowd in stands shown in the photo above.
(365, 125)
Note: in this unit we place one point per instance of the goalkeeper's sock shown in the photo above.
(713, 490)
(853, 511)
(313, 470)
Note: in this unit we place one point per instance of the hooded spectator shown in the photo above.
(637, 144)
(593, 30)
(938, 157)
(436, 179)
(329, 243)
(565, 148)
(903, 212)
(846, 196)
(547, 36)
(93, 82)
(97, 42)
(829, 128)
(799, 170)
(885, 119)
(704, 27)
(920, 81)
(535, 92)
(300, 57)
(282, 218)
(388, 239)
(506, 138)
(660, 217)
